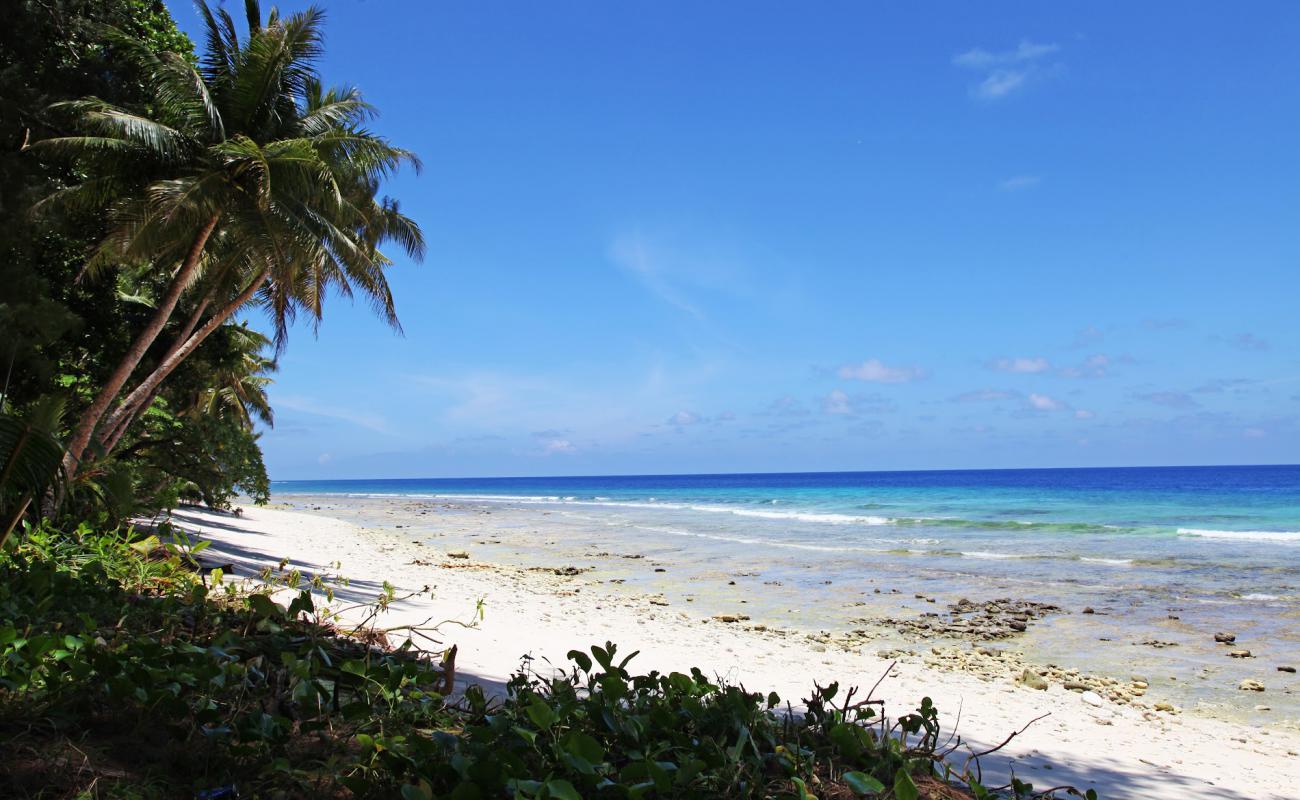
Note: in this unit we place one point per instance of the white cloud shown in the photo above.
(1084, 414)
(837, 402)
(324, 458)
(1008, 71)
(1001, 83)
(979, 58)
(684, 418)
(1094, 366)
(1021, 364)
(1018, 183)
(552, 446)
(1253, 433)
(874, 371)
(1042, 402)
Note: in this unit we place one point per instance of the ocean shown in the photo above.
(1164, 556)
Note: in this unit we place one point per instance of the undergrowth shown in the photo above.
(126, 673)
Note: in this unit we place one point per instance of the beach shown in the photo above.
(1105, 731)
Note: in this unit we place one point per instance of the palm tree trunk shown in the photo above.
(19, 511)
(124, 415)
(90, 418)
(179, 354)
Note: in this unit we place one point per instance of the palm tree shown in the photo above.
(29, 460)
(236, 388)
(262, 187)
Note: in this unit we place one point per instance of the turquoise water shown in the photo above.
(1231, 531)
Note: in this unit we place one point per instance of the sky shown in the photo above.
(682, 237)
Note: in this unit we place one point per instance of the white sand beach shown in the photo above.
(1121, 750)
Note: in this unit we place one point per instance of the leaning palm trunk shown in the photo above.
(135, 402)
(122, 418)
(91, 416)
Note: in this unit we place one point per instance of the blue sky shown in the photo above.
(700, 237)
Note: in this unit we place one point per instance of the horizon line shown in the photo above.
(779, 472)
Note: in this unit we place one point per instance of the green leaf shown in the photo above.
(584, 747)
(904, 788)
(412, 792)
(582, 659)
(862, 783)
(542, 715)
(562, 790)
(263, 606)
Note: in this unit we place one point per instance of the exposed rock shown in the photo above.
(1165, 705)
(1225, 638)
(1088, 610)
(1239, 654)
(458, 555)
(1286, 669)
(730, 617)
(1092, 698)
(562, 571)
(1033, 680)
(1249, 685)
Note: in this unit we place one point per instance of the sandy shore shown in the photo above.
(1124, 751)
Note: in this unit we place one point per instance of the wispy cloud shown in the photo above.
(840, 403)
(1019, 183)
(1088, 336)
(307, 405)
(1164, 324)
(837, 402)
(984, 396)
(1170, 399)
(873, 370)
(1005, 72)
(1220, 385)
(684, 418)
(1094, 366)
(1020, 364)
(979, 58)
(1249, 342)
(632, 255)
(786, 406)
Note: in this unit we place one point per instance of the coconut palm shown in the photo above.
(259, 185)
(236, 388)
